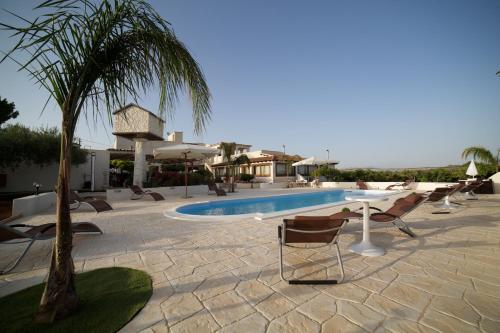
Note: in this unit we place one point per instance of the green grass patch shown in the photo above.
(109, 298)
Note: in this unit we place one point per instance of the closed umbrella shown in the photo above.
(472, 170)
(184, 151)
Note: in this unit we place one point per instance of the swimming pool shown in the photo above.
(272, 205)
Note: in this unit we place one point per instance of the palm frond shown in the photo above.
(480, 154)
(92, 56)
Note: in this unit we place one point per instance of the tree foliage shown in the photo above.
(481, 154)
(446, 174)
(91, 56)
(7, 110)
(20, 144)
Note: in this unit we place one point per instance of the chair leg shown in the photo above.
(341, 265)
(16, 262)
(280, 247)
(404, 227)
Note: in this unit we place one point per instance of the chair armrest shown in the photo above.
(374, 208)
(387, 214)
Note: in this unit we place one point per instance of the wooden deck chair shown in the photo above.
(324, 231)
(9, 234)
(139, 193)
(98, 205)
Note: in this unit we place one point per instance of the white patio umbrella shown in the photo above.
(184, 151)
(313, 161)
(471, 170)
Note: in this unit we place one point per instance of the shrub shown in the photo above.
(245, 177)
(446, 174)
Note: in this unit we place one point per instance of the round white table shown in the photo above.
(365, 247)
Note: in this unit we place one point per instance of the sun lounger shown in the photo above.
(98, 205)
(399, 209)
(324, 231)
(301, 181)
(10, 234)
(139, 193)
(361, 185)
(404, 185)
(394, 215)
(468, 190)
(213, 189)
(445, 193)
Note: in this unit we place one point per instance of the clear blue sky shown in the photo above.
(378, 83)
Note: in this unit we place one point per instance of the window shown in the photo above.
(244, 169)
(281, 170)
(262, 170)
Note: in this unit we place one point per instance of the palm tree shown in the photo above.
(229, 149)
(240, 160)
(94, 55)
(481, 154)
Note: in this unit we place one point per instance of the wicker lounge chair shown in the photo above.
(324, 231)
(139, 193)
(98, 205)
(9, 234)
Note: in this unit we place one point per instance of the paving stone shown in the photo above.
(176, 271)
(489, 326)
(455, 308)
(148, 316)
(407, 295)
(200, 322)
(296, 293)
(444, 323)
(390, 308)
(434, 285)
(371, 284)
(486, 305)
(253, 291)
(216, 285)
(274, 306)
(320, 308)
(345, 291)
(161, 327)
(181, 306)
(339, 324)
(293, 322)
(360, 314)
(398, 325)
(254, 323)
(228, 308)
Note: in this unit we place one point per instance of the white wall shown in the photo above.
(496, 182)
(420, 186)
(22, 178)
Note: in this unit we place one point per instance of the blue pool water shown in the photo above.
(266, 204)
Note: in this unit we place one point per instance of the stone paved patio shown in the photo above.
(223, 276)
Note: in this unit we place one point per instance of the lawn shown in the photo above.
(109, 298)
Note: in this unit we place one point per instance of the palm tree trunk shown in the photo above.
(59, 298)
